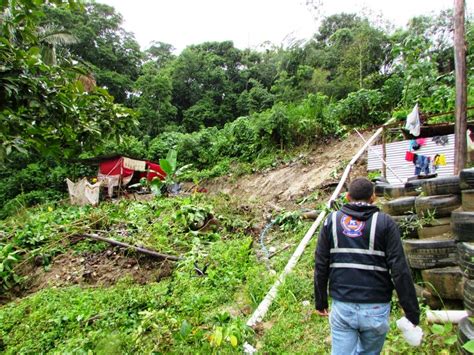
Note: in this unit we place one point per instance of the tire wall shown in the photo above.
(443, 250)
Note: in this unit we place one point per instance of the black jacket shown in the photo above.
(348, 284)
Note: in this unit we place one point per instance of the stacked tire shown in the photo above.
(431, 249)
(465, 333)
(462, 221)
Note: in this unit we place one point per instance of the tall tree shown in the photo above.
(207, 81)
(113, 53)
(45, 108)
(154, 93)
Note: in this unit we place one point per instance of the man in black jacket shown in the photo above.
(360, 252)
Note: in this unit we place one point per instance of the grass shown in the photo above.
(184, 312)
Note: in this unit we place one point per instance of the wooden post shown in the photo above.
(460, 145)
(384, 152)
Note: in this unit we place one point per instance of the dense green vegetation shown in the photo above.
(183, 312)
(217, 104)
(75, 84)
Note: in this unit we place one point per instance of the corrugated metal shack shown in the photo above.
(395, 158)
(394, 153)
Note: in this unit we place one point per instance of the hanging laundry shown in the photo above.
(409, 156)
(442, 159)
(413, 145)
(470, 143)
(422, 164)
(440, 140)
(421, 141)
(413, 122)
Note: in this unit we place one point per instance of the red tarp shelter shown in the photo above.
(119, 170)
(125, 167)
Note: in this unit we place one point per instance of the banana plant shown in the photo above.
(169, 166)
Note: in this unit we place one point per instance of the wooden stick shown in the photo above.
(146, 251)
(279, 251)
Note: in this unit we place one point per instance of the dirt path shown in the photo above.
(285, 184)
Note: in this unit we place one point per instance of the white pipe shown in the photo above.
(265, 304)
(445, 316)
(262, 308)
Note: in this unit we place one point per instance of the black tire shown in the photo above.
(440, 205)
(469, 295)
(407, 225)
(400, 206)
(463, 226)
(379, 189)
(435, 228)
(447, 281)
(390, 191)
(414, 187)
(468, 200)
(442, 186)
(466, 179)
(465, 333)
(466, 259)
(430, 253)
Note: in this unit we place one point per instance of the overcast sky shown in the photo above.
(249, 23)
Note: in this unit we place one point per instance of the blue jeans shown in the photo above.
(422, 164)
(358, 328)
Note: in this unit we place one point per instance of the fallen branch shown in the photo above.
(279, 251)
(146, 251)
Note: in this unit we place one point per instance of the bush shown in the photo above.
(29, 199)
(361, 108)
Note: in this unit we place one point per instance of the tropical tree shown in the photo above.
(111, 53)
(45, 108)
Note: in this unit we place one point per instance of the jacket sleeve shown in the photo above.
(321, 268)
(400, 273)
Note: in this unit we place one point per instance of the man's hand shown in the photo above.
(323, 313)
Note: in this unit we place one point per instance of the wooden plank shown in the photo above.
(460, 148)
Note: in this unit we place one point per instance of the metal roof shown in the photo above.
(405, 169)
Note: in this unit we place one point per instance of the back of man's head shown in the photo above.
(361, 189)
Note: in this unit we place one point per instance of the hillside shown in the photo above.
(80, 295)
(290, 182)
(68, 281)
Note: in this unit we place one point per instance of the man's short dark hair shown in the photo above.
(361, 189)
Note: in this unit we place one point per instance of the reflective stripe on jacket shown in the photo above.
(355, 254)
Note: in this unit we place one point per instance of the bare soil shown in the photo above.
(285, 184)
(103, 268)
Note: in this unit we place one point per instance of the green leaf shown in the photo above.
(155, 186)
(185, 329)
(166, 166)
(437, 329)
(218, 336)
(451, 340)
(469, 346)
(171, 157)
(233, 340)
